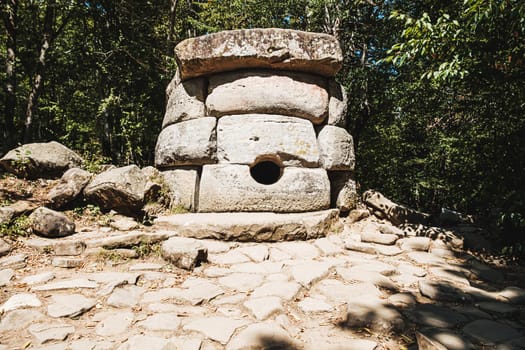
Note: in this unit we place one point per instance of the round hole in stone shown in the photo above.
(266, 172)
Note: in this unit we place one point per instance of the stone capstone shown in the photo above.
(336, 148)
(290, 94)
(228, 187)
(49, 223)
(185, 102)
(272, 48)
(70, 186)
(185, 253)
(191, 142)
(183, 187)
(120, 189)
(243, 139)
(40, 160)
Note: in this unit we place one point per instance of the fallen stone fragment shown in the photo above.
(5, 276)
(490, 332)
(396, 213)
(215, 328)
(45, 332)
(67, 284)
(416, 243)
(67, 262)
(267, 335)
(71, 185)
(52, 224)
(69, 305)
(114, 323)
(185, 253)
(20, 301)
(17, 261)
(5, 247)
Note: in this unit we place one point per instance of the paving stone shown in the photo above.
(343, 344)
(69, 247)
(75, 283)
(402, 300)
(45, 332)
(67, 262)
(185, 253)
(497, 308)
(442, 291)
(214, 271)
(339, 292)
(374, 313)
(19, 319)
(448, 339)
(435, 316)
(490, 332)
(235, 299)
(471, 312)
(113, 323)
(266, 267)
(229, 258)
(513, 344)
(309, 272)
(416, 244)
(284, 290)
(366, 248)
(267, 335)
(377, 266)
(450, 275)
(479, 294)
(20, 301)
(5, 276)
(300, 250)
(327, 247)
(38, 278)
(360, 275)
(374, 236)
(264, 307)
(59, 346)
(126, 296)
(513, 294)
(425, 258)
(86, 344)
(215, 328)
(215, 246)
(406, 281)
(181, 310)
(317, 304)
(411, 269)
(257, 253)
(146, 267)
(199, 291)
(17, 261)
(161, 322)
(5, 247)
(70, 305)
(241, 282)
(161, 295)
(485, 272)
(279, 255)
(388, 250)
(139, 342)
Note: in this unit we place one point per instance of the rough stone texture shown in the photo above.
(289, 141)
(70, 186)
(183, 185)
(49, 223)
(513, 294)
(290, 94)
(373, 313)
(314, 305)
(70, 305)
(264, 307)
(336, 147)
(5, 276)
(67, 284)
(71, 247)
(259, 227)
(343, 191)
(396, 213)
(38, 278)
(19, 319)
(120, 189)
(338, 104)
(259, 48)
(490, 332)
(17, 261)
(442, 339)
(442, 291)
(45, 332)
(231, 188)
(5, 247)
(192, 142)
(436, 316)
(216, 328)
(416, 243)
(20, 301)
(127, 296)
(360, 275)
(161, 322)
(309, 272)
(262, 336)
(40, 160)
(185, 102)
(67, 262)
(185, 253)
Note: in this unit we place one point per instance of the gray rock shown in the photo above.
(215, 328)
(336, 148)
(373, 313)
(128, 239)
(229, 187)
(5, 276)
(120, 189)
(416, 243)
(17, 261)
(338, 104)
(396, 213)
(185, 253)
(5, 247)
(69, 305)
(267, 335)
(280, 49)
(67, 262)
(20, 301)
(263, 308)
(67, 284)
(182, 185)
(71, 185)
(70, 247)
(114, 323)
(259, 227)
(435, 316)
(123, 223)
(19, 319)
(38, 278)
(127, 296)
(6, 215)
(490, 332)
(49, 223)
(192, 142)
(45, 332)
(247, 138)
(185, 101)
(445, 338)
(268, 92)
(343, 191)
(40, 160)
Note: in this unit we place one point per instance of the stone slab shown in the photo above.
(230, 187)
(336, 148)
(259, 227)
(183, 185)
(243, 139)
(272, 48)
(185, 102)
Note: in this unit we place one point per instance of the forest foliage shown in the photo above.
(437, 88)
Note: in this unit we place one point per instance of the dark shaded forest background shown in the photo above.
(436, 88)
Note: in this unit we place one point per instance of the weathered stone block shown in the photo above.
(183, 185)
(192, 142)
(185, 101)
(338, 104)
(273, 48)
(336, 148)
(291, 94)
(232, 188)
(70, 186)
(49, 223)
(343, 190)
(245, 138)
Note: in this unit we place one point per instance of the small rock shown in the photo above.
(50, 223)
(5, 276)
(70, 186)
(69, 305)
(19, 319)
(215, 328)
(490, 332)
(45, 332)
(69, 247)
(309, 304)
(262, 336)
(371, 234)
(67, 262)
(123, 223)
(17, 261)
(262, 308)
(185, 253)
(20, 301)
(6, 215)
(5, 247)
(416, 243)
(357, 215)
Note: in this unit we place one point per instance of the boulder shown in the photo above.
(185, 253)
(337, 105)
(120, 189)
(40, 160)
(343, 191)
(228, 187)
(70, 186)
(192, 142)
(271, 48)
(291, 94)
(52, 224)
(243, 139)
(396, 213)
(185, 101)
(336, 148)
(182, 185)
(6, 215)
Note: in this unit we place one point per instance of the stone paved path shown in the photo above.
(315, 294)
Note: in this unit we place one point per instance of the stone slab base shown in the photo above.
(254, 227)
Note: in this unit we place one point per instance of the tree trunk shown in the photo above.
(171, 30)
(10, 22)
